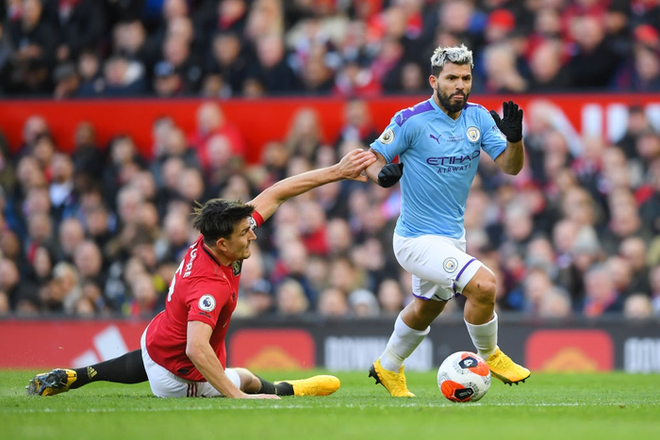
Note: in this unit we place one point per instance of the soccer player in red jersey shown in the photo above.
(183, 351)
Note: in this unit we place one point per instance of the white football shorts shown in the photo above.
(439, 266)
(166, 384)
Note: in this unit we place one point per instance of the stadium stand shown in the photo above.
(100, 231)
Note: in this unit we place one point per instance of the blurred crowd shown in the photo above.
(351, 48)
(100, 232)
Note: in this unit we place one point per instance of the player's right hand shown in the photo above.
(352, 165)
(390, 174)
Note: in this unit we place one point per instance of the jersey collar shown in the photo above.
(442, 113)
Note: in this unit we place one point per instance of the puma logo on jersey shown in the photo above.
(437, 139)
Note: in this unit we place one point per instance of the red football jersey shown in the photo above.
(201, 290)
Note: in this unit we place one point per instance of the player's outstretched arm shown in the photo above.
(511, 160)
(349, 167)
(199, 350)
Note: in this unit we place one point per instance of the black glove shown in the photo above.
(511, 124)
(390, 174)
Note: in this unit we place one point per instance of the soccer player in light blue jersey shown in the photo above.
(439, 142)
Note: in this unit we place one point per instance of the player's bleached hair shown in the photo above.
(460, 55)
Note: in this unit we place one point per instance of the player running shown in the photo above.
(439, 142)
(183, 350)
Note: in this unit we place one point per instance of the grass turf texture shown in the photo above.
(548, 406)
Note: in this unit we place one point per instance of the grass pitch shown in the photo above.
(548, 406)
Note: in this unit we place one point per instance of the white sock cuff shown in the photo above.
(402, 329)
(479, 329)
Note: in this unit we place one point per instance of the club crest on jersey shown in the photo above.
(450, 265)
(207, 303)
(387, 137)
(237, 266)
(473, 134)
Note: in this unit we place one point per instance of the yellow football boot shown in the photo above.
(54, 382)
(394, 383)
(503, 368)
(322, 385)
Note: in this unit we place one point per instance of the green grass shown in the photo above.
(548, 406)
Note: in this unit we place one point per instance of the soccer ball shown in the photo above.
(464, 377)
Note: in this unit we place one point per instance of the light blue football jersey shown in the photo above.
(440, 158)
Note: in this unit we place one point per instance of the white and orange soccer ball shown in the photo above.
(464, 377)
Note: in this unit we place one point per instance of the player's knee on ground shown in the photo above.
(250, 383)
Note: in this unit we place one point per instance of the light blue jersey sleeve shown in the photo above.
(494, 141)
(396, 138)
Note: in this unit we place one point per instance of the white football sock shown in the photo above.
(484, 336)
(402, 343)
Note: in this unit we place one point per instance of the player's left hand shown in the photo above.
(511, 124)
(352, 165)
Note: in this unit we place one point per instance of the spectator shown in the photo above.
(80, 24)
(546, 68)
(271, 68)
(92, 82)
(123, 77)
(600, 293)
(15, 289)
(259, 296)
(304, 136)
(6, 53)
(229, 61)
(34, 41)
(63, 197)
(358, 125)
(65, 289)
(637, 307)
(66, 80)
(637, 124)
(211, 121)
(291, 266)
(228, 16)
(70, 235)
(144, 302)
(555, 304)
(363, 304)
(332, 303)
(290, 298)
(167, 80)
(646, 76)
(650, 207)
(595, 63)
(129, 39)
(390, 297)
(88, 159)
(654, 280)
(501, 71)
(634, 250)
(354, 81)
(44, 150)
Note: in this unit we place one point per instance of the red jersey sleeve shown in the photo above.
(206, 300)
(258, 219)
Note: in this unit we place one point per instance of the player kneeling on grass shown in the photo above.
(183, 350)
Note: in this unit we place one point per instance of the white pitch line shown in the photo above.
(297, 406)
